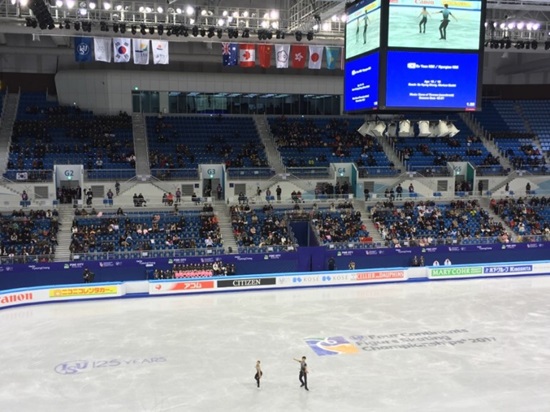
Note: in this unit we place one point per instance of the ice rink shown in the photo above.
(475, 345)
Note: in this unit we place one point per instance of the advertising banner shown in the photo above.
(165, 287)
(79, 292)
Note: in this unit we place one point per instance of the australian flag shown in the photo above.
(83, 49)
(230, 53)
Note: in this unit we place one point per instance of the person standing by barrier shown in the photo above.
(303, 372)
(88, 276)
(259, 373)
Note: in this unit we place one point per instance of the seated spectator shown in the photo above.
(170, 199)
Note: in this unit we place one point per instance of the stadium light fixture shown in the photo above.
(379, 129)
(453, 131)
(405, 129)
(365, 129)
(424, 128)
(392, 130)
(443, 129)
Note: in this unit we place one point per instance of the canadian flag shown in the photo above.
(298, 56)
(315, 57)
(247, 55)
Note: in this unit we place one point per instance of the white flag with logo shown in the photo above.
(141, 51)
(160, 51)
(102, 49)
(122, 50)
(282, 52)
(315, 57)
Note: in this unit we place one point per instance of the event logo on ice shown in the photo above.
(80, 366)
(334, 345)
(425, 339)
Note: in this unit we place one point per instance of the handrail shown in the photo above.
(147, 253)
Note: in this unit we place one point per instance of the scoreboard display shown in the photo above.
(429, 56)
(432, 80)
(361, 77)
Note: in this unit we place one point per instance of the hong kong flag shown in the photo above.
(298, 56)
(247, 55)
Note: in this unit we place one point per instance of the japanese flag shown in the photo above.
(315, 57)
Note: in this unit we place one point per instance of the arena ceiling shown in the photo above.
(515, 20)
(322, 17)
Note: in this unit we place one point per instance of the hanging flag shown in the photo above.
(83, 49)
(102, 49)
(160, 51)
(315, 57)
(141, 51)
(281, 55)
(247, 55)
(265, 51)
(229, 54)
(298, 56)
(121, 50)
(333, 57)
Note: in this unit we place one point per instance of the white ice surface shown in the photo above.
(210, 344)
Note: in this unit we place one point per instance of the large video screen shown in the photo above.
(362, 28)
(432, 80)
(361, 77)
(435, 24)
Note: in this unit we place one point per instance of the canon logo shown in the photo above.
(16, 297)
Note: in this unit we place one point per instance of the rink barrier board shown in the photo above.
(47, 294)
(110, 290)
(304, 260)
(294, 280)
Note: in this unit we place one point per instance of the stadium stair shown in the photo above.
(66, 215)
(484, 202)
(226, 229)
(273, 155)
(143, 170)
(359, 204)
(526, 123)
(483, 134)
(6, 128)
(390, 153)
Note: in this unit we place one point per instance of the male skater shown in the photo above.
(445, 22)
(259, 373)
(303, 372)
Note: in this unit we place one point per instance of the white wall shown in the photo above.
(109, 91)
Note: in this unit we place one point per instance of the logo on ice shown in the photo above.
(334, 345)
